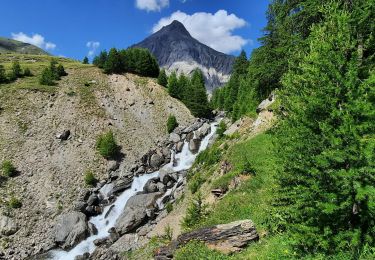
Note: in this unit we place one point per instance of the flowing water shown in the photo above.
(185, 160)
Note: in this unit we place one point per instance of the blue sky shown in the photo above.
(73, 28)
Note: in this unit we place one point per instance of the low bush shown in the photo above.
(47, 78)
(107, 146)
(8, 169)
(209, 156)
(196, 212)
(14, 203)
(195, 182)
(90, 178)
(221, 129)
(171, 123)
(27, 72)
(169, 207)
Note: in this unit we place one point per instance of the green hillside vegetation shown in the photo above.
(12, 46)
(134, 60)
(311, 190)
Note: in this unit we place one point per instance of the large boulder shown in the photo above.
(156, 160)
(7, 226)
(179, 146)
(266, 103)
(173, 137)
(194, 145)
(137, 210)
(203, 131)
(71, 228)
(151, 185)
(120, 185)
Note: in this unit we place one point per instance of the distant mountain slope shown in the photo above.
(13, 46)
(176, 50)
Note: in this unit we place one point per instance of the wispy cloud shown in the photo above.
(93, 46)
(35, 39)
(152, 5)
(214, 30)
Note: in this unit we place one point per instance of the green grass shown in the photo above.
(147, 251)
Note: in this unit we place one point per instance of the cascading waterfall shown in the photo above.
(104, 221)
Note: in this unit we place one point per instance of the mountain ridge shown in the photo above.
(176, 50)
(13, 46)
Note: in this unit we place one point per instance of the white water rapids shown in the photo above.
(185, 160)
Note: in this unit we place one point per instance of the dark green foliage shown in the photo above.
(107, 146)
(85, 60)
(169, 207)
(196, 212)
(195, 182)
(16, 69)
(8, 169)
(133, 60)
(27, 72)
(100, 60)
(171, 123)
(54, 72)
(3, 77)
(14, 203)
(162, 78)
(47, 77)
(173, 85)
(90, 179)
(327, 144)
(221, 129)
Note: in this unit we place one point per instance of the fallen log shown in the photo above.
(226, 238)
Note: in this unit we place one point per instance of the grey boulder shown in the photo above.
(194, 145)
(7, 226)
(136, 211)
(71, 228)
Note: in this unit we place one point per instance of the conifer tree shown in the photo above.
(173, 85)
(85, 60)
(113, 63)
(326, 142)
(162, 78)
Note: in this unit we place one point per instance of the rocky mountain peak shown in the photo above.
(176, 50)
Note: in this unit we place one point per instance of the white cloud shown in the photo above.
(93, 46)
(214, 30)
(152, 5)
(35, 39)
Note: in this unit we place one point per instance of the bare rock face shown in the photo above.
(176, 50)
(156, 160)
(71, 228)
(7, 226)
(225, 238)
(137, 209)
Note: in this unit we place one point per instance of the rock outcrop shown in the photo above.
(7, 226)
(226, 238)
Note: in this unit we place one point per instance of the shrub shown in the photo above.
(14, 203)
(196, 182)
(171, 123)
(106, 145)
(60, 71)
(8, 169)
(16, 69)
(168, 232)
(90, 178)
(3, 77)
(85, 60)
(163, 79)
(169, 207)
(221, 129)
(196, 212)
(47, 77)
(209, 156)
(27, 72)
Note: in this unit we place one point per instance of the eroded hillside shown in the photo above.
(50, 171)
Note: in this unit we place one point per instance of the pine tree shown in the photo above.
(113, 63)
(85, 60)
(100, 60)
(162, 78)
(173, 85)
(326, 143)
